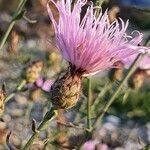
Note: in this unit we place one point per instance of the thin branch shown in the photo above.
(89, 100)
(15, 17)
(50, 115)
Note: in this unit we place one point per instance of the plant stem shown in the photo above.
(28, 111)
(89, 99)
(126, 95)
(50, 115)
(99, 3)
(13, 21)
(101, 94)
(130, 72)
(81, 109)
(19, 88)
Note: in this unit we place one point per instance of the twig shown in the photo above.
(89, 99)
(8, 143)
(100, 95)
(50, 115)
(81, 109)
(18, 88)
(34, 128)
(71, 125)
(17, 15)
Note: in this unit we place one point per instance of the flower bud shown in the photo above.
(14, 42)
(116, 73)
(137, 79)
(33, 71)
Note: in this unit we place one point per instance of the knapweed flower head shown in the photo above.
(90, 44)
(93, 43)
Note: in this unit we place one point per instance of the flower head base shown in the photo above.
(65, 91)
(90, 44)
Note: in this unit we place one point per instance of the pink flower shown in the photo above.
(42, 83)
(93, 43)
(90, 145)
(45, 85)
(144, 64)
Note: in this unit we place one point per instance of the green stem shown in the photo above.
(101, 94)
(89, 99)
(19, 88)
(28, 111)
(50, 115)
(99, 3)
(81, 109)
(13, 21)
(130, 72)
(21, 85)
(19, 7)
(126, 95)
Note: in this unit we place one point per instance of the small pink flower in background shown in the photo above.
(94, 144)
(93, 43)
(144, 64)
(143, 71)
(45, 85)
(39, 82)
(90, 145)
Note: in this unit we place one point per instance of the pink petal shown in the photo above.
(47, 85)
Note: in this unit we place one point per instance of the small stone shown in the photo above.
(113, 119)
(3, 125)
(17, 113)
(38, 145)
(15, 140)
(6, 118)
(22, 100)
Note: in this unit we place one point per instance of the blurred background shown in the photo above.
(127, 123)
